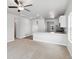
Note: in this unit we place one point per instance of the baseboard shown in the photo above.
(20, 37)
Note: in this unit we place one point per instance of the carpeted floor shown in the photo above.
(29, 49)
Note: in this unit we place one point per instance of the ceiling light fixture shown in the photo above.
(21, 8)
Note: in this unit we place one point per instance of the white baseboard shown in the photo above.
(10, 40)
(69, 47)
(20, 37)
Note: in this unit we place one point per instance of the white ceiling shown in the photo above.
(41, 7)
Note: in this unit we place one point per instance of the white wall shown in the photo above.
(38, 25)
(34, 25)
(23, 27)
(69, 45)
(41, 25)
(10, 27)
(69, 9)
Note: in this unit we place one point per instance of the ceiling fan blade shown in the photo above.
(12, 6)
(16, 1)
(28, 5)
(27, 10)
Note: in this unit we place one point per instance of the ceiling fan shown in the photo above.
(20, 6)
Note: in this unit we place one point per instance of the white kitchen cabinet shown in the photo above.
(51, 37)
(62, 20)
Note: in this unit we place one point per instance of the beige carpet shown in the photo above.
(28, 49)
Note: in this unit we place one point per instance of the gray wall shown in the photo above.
(52, 22)
(23, 27)
(26, 27)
